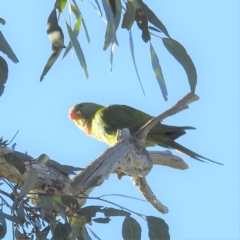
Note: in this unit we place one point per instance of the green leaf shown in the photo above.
(43, 158)
(78, 49)
(62, 231)
(102, 220)
(158, 72)
(90, 210)
(5, 48)
(3, 74)
(157, 228)
(17, 159)
(54, 32)
(131, 229)
(142, 22)
(133, 58)
(65, 169)
(29, 182)
(71, 203)
(3, 226)
(115, 212)
(75, 231)
(83, 22)
(60, 4)
(85, 234)
(129, 16)
(2, 21)
(152, 18)
(20, 213)
(53, 57)
(10, 218)
(76, 27)
(181, 55)
(110, 35)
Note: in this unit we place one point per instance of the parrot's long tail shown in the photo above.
(188, 152)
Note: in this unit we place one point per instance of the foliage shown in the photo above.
(134, 11)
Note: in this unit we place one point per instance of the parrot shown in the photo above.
(103, 122)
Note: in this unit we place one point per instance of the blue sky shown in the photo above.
(203, 201)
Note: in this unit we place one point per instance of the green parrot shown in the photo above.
(103, 122)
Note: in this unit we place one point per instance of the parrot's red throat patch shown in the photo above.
(72, 115)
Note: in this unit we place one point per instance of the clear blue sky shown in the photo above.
(203, 201)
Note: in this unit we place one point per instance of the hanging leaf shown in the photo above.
(102, 220)
(71, 203)
(65, 169)
(75, 231)
(181, 55)
(29, 182)
(62, 231)
(3, 74)
(2, 21)
(133, 58)
(108, 212)
(54, 32)
(110, 35)
(158, 72)
(53, 57)
(152, 18)
(3, 225)
(157, 228)
(60, 4)
(77, 26)
(16, 159)
(6, 49)
(131, 229)
(77, 49)
(129, 16)
(142, 22)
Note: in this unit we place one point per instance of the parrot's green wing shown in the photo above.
(109, 119)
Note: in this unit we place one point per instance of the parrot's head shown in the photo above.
(83, 113)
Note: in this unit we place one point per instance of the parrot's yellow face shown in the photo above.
(82, 115)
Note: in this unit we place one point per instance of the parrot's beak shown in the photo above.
(72, 115)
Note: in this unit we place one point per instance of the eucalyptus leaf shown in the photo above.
(5, 48)
(152, 18)
(129, 16)
(158, 72)
(29, 182)
(181, 55)
(102, 220)
(3, 225)
(17, 159)
(131, 229)
(53, 57)
(108, 212)
(75, 231)
(142, 22)
(158, 229)
(3, 74)
(71, 203)
(77, 49)
(133, 58)
(10, 218)
(77, 26)
(54, 32)
(60, 4)
(62, 231)
(85, 234)
(2, 21)
(110, 35)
